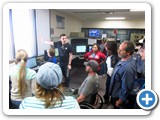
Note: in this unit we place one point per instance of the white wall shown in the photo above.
(113, 24)
(71, 24)
(43, 30)
(74, 25)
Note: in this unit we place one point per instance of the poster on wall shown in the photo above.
(60, 21)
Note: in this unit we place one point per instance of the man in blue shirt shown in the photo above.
(123, 76)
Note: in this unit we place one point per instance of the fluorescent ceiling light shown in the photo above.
(136, 10)
(115, 18)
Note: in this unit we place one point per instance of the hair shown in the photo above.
(143, 47)
(129, 47)
(51, 52)
(62, 35)
(104, 40)
(96, 45)
(112, 47)
(50, 97)
(21, 57)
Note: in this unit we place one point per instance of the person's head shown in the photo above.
(51, 52)
(104, 41)
(111, 47)
(126, 49)
(48, 87)
(142, 53)
(95, 47)
(21, 56)
(63, 38)
(21, 59)
(91, 66)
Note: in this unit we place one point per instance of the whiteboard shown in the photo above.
(92, 41)
(42, 30)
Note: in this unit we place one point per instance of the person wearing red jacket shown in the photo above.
(96, 55)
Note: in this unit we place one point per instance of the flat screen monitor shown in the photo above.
(89, 48)
(94, 33)
(56, 52)
(31, 62)
(81, 49)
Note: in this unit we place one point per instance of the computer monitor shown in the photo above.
(81, 49)
(56, 52)
(31, 62)
(94, 33)
(89, 48)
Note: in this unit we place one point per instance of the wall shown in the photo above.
(113, 24)
(43, 29)
(74, 25)
(71, 25)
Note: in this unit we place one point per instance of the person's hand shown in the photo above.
(119, 102)
(69, 67)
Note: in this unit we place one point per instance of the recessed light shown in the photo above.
(115, 18)
(136, 10)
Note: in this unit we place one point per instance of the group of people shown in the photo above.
(121, 71)
(45, 88)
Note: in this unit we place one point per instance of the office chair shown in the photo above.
(96, 101)
(46, 57)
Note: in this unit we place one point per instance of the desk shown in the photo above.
(78, 56)
(78, 61)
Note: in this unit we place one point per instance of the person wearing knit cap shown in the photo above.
(90, 84)
(49, 93)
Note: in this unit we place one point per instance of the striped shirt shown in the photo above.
(34, 103)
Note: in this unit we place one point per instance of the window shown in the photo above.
(23, 32)
(27, 27)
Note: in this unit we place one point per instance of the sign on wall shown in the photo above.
(60, 22)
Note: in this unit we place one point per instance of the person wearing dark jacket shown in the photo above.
(112, 59)
(123, 76)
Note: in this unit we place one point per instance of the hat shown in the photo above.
(93, 64)
(49, 75)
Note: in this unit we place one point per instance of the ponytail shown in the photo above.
(21, 58)
(22, 78)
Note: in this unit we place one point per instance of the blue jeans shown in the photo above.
(103, 68)
(15, 104)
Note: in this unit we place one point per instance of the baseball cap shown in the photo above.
(93, 64)
(49, 75)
